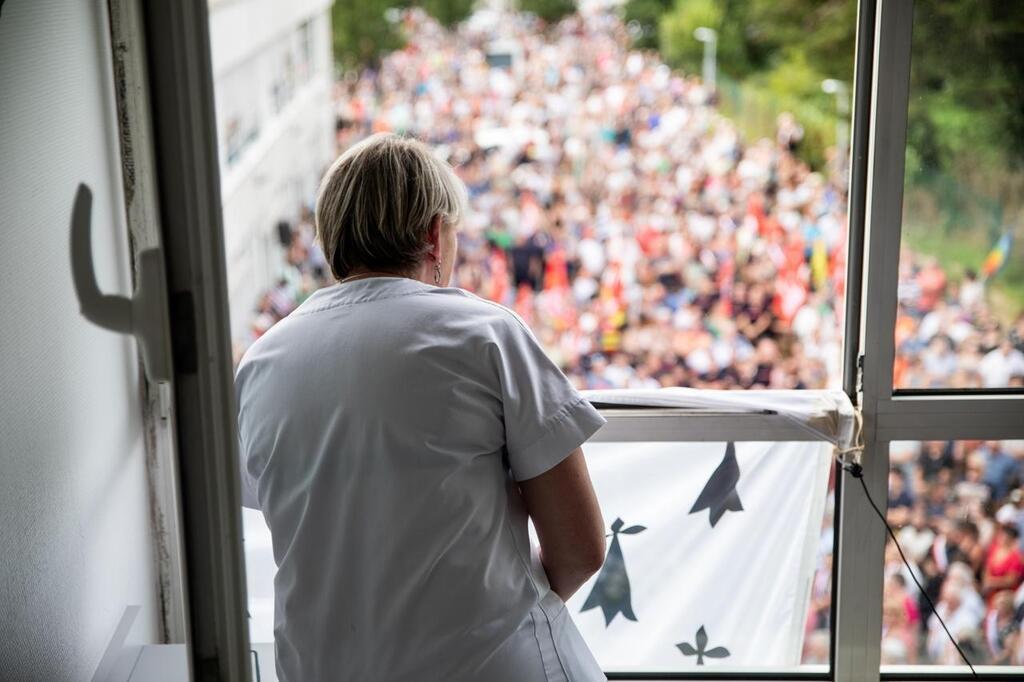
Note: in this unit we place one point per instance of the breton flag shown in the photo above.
(712, 546)
(711, 550)
(711, 553)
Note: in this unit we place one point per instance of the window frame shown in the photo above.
(187, 181)
(890, 414)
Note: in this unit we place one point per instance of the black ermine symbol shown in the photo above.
(719, 495)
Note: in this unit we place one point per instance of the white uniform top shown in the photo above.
(382, 427)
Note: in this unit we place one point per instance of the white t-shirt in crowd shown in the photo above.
(996, 368)
(383, 426)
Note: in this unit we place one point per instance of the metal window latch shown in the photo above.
(860, 374)
(143, 315)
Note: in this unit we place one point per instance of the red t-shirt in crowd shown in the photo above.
(1001, 564)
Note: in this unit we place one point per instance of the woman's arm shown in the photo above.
(569, 525)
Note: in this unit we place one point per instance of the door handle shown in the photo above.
(143, 314)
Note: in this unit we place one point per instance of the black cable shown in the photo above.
(857, 472)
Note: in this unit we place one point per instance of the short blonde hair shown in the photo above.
(377, 201)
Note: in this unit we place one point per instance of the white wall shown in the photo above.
(289, 140)
(75, 544)
(238, 28)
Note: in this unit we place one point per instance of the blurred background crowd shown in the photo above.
(957, 508)
(648, 244)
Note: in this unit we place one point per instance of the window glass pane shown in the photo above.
(666, 504)
(961, 279)
(957, 508)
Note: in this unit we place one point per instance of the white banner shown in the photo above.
(711, 553)
(670, 574)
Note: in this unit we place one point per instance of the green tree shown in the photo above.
(549, 10)
(681, 49)
(448, 12)
(966, 78)
(645, 15)
(675, 32)
(772, 56)
(818, 32)
(362, 31)
(756, 37)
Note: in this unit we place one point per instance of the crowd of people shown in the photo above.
(648, 244)
(957, 508)
(616, 210)
(947, 335)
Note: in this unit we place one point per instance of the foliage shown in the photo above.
(447, 12)
(821, 33)
(362, 32)
(548, 10)
(757, 36)
(754, 108)
(675, 32)
(967, 105)
(644, 15)
(967, 68)
(777, 52)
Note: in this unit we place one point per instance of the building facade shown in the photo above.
(273, 72)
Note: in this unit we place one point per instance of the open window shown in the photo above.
(772, 260)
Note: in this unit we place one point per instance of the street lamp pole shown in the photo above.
(709, 37)
(841, 91)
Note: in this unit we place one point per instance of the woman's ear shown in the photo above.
(434, 237)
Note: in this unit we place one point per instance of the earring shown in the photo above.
(437, 272)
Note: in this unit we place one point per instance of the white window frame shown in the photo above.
(888, 414)
(188, 187)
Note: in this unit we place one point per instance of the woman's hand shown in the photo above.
(569, 525)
